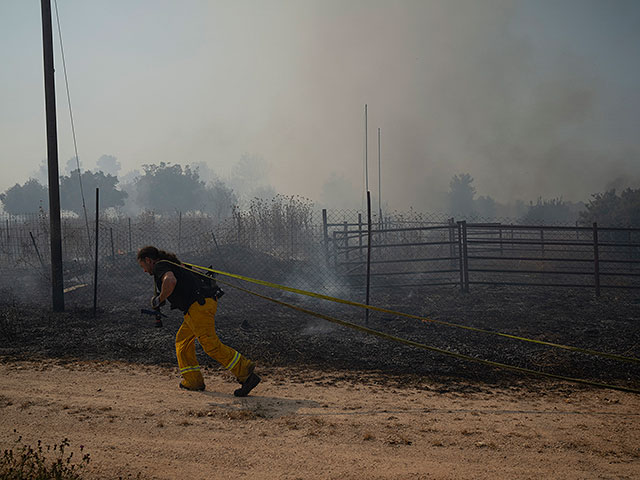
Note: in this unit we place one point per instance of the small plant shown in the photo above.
(24, 462)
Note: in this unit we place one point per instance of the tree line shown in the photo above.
(608, 208)
(168, 188)
(160, 188)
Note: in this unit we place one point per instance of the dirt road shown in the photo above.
(134, 420)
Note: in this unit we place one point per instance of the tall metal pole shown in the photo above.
(379, 182)
(95, 268)
(366, 318)
(52, 157)
(366, 151)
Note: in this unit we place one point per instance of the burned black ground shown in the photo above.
(280, 337)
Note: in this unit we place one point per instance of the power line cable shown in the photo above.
(73, 128)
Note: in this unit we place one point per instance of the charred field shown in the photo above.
(277, 336)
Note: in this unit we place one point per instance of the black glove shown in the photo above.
(155, 302)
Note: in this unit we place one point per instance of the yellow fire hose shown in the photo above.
(416, 344)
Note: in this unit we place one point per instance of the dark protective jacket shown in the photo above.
(190, 286)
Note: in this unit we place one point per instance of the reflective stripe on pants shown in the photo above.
(199, 322)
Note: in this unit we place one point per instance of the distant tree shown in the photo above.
(486, 207)
(219, 200)
(555, 211)
(71, 198)
(72, 165)
(129, 177)
(42, 173)
(109, 165)
(519, 209)
(170, 188)
(205, 172)
(461, 195)
(610, 209)
(25, 198)
(513, 210)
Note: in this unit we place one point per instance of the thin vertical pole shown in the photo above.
(130, 245)
(452, 248)
(460, 254)
(35, 245)
(345, 229)
(366, 318)
(366, 151)
(596, 258)
(360, 234)
(465, 256)
(379, 183)
(95, 268)
(113, 250)
(325, 231)
(52, 159)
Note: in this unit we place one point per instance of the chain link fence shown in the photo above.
(285, 241)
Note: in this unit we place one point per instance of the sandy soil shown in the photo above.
(133, 420)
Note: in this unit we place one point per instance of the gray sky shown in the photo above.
(529, 97)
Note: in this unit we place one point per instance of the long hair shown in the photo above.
(154, 254)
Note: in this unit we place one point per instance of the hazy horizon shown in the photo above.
(532, 98)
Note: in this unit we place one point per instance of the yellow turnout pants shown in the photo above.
(199, 322)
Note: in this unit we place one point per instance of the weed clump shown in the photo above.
(44, 462)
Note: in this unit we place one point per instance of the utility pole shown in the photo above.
(379, 182)
(52, 159)
(366, 151)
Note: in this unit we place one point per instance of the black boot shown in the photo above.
(249, 384)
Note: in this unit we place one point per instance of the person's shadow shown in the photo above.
(258, 406)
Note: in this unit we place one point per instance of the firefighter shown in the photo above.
(197, 298)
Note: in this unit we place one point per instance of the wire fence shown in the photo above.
(326, 251)
(464, 254)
